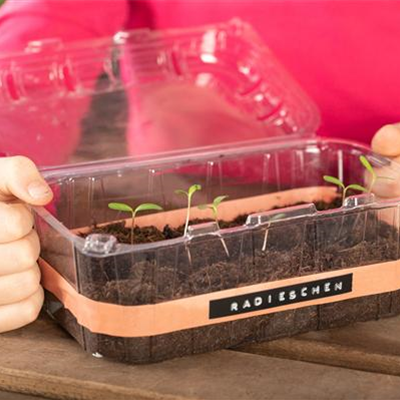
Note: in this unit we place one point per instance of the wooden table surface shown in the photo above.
(358, 362)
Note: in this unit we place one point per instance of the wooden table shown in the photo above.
(357, 362)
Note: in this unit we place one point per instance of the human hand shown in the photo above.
(21, 295)
(386, 142)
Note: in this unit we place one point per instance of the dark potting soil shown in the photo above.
(150, 234)
(293, 249)
(202, 267)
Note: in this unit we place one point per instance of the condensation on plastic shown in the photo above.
(63, 103)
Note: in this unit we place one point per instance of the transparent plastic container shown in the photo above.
(116, 97)
(300, 241)
(272, 264)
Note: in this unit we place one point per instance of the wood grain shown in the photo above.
(18, 396)
(41, 359)
(370, 346)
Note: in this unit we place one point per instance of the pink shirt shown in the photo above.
(344, 53)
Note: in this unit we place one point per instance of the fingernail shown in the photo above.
(38, 190)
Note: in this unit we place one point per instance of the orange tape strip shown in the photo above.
(192, 312)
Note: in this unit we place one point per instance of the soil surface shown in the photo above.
(151, 234)
(287, 250)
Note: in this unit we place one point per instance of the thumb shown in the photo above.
(386, 141)
(20, 179)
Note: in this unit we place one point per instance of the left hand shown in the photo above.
(386, 142)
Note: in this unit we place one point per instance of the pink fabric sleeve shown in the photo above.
(48, 131)
(69, 20)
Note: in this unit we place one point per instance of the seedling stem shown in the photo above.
(189, 194)
(214, 208)
(122, 207)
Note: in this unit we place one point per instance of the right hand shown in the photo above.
(386, 142)
(21, 296)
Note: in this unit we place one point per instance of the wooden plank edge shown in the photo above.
(322, 353)
(59, 388)
(19, 396)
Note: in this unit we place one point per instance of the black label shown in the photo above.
(281, 296)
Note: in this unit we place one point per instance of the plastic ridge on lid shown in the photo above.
(50, 69)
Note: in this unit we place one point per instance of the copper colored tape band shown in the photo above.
(192, 312)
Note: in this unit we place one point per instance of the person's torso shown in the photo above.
(343, 53)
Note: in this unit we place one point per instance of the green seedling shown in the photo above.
(274, 218)
(214, 208)
(189, 194)
(128, 209)
(367, 165)
(338, 182)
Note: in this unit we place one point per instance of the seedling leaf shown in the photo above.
(203, 207)
(148, 207)
(180, 191)
(335, 181)
(218, 200)
(125, 208)
(120, 207)
(357, 187)
(193, 189)
(367, 165)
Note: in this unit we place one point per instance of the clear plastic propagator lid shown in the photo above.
(145, 92)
